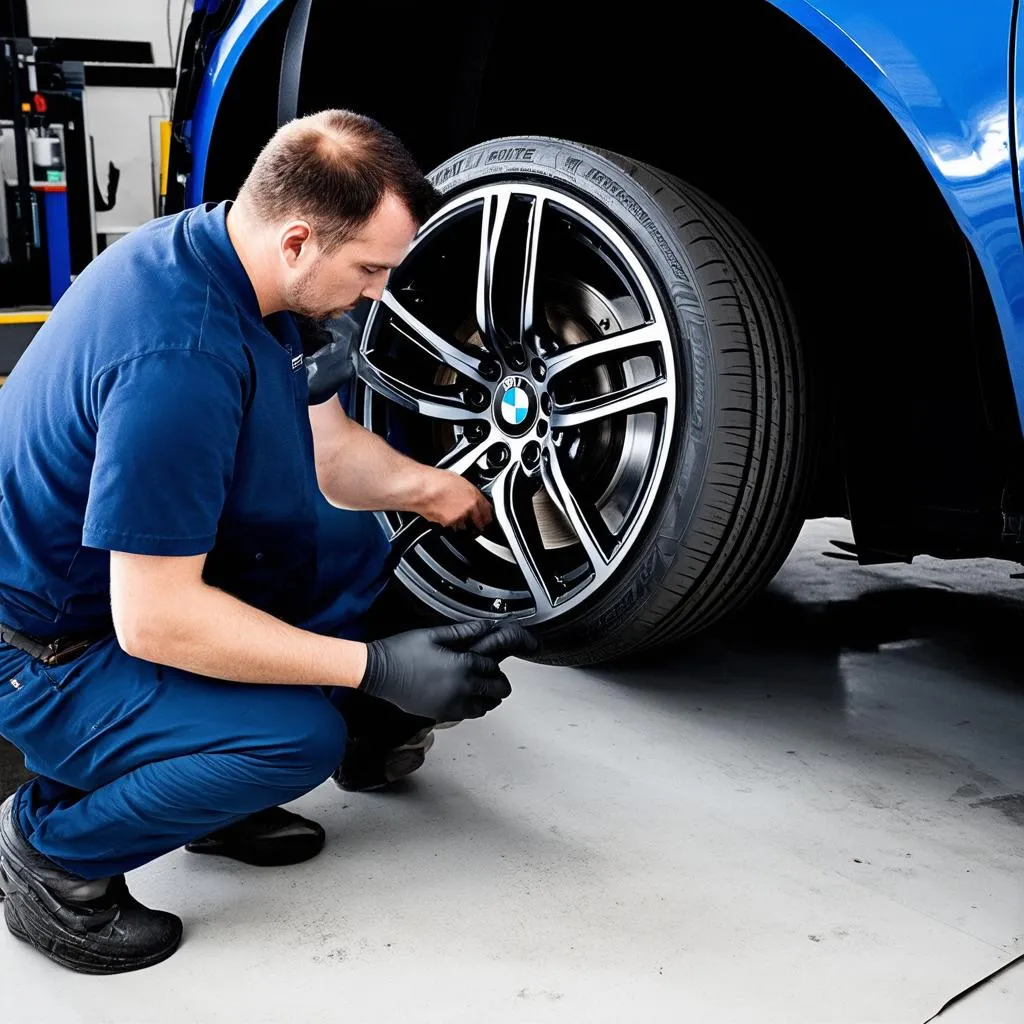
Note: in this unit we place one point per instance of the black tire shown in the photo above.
(731, 500)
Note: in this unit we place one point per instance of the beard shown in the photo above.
(303, 300)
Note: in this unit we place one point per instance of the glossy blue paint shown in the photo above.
(941, 67)
(1017, 106)
(230, 47)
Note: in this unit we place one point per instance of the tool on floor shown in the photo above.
(971, 988)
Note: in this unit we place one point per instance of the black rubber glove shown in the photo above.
(333, 348)
(328, 369)
(505, 640)
(436, 674)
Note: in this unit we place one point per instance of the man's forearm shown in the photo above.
(211, 633)
(358, 470)
(362, 471)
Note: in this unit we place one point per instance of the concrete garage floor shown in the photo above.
(815, 814)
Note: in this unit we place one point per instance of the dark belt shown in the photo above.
(58, 651)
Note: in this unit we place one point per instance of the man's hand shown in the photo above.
(452, 501)
(357, 469)
(436, 673)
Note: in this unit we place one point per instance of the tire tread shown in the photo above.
(751, 509)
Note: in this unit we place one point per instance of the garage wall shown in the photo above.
(119, 119)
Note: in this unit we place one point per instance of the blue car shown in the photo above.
(702, 271)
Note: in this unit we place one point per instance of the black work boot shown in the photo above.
(267, 838)
(91, 926)
(372, 764)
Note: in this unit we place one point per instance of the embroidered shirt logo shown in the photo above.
(296, 362)
(15, 684)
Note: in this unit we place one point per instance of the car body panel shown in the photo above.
(225, 57)
(942, 68)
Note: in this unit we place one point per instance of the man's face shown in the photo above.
(323, 287)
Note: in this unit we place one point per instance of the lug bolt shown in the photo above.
(490, 370)
(476, 398)
(531, 455)
(545, 404)
(476, 431)
(498, 456)
(517, 359)
(542, 427)
(540, 371)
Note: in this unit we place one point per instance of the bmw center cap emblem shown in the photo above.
(515, 405)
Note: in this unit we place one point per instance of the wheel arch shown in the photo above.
(888, 380)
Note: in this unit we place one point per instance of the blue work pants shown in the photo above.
(135, 759)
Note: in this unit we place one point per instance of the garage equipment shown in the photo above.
(49, 194)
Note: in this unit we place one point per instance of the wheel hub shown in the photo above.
(515, 406)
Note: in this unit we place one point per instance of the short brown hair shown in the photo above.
(333, 169)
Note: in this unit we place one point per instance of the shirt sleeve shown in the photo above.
(167, 431)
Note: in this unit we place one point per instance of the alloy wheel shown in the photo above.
(524, 345)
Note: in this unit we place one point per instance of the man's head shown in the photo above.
(329, 208)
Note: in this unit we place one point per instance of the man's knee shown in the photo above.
(325, 743)
(312, 740)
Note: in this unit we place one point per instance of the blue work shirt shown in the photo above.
(157, 413)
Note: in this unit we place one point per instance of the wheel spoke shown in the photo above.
(409, 533)
(462, 456)
(431, 342)
(623, 345)
(510, 507)
(526, 329)
(495, 210)
(438, 406)
(567, 503)
(625, 400)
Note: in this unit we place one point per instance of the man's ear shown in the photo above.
(295, 240)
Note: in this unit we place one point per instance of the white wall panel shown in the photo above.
(119, 119)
